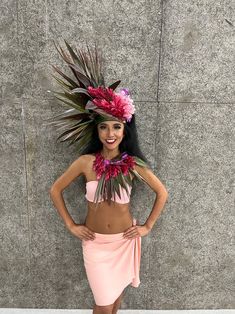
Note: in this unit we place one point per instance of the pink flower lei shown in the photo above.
(112, 168)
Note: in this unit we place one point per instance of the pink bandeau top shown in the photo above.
(91, 188)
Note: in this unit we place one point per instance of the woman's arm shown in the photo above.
(161, 194)
(73, 171)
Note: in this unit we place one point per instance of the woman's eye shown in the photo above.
(102, 127)
(117, 127)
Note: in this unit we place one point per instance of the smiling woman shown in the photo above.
(103, 126)
(110, 134)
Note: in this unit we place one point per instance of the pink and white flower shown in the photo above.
(118, 104)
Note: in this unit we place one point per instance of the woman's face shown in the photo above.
(111, 133)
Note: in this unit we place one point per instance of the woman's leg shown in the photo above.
(117, 303)
(106, 309)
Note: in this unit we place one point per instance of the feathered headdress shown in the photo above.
(91, 102)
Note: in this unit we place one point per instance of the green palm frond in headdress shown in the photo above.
(77, 123)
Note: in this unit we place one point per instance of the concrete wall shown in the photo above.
(177, 59)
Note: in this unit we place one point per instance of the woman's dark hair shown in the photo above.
(129, 144)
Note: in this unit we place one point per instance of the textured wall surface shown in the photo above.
(177, 59)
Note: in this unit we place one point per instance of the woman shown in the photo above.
(111, 162)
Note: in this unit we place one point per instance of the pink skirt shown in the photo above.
(111, 263)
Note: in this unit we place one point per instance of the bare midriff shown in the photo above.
(107, 219)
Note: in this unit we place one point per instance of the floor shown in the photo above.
(52, 311)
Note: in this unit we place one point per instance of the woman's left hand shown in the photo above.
(136, 231)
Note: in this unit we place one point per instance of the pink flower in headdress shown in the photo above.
(119, 104)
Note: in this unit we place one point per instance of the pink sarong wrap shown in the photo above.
(111, 263)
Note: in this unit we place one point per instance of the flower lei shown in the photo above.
(112, 174)
(113, 167)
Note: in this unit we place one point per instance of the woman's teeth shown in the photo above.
(110, 141)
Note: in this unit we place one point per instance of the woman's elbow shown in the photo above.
(166, 195)
(163, 194)
(53, 190)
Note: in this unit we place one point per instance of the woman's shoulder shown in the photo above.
(86, 158)
(142, 168)
(84, 163)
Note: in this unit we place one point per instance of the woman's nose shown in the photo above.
(110, 132)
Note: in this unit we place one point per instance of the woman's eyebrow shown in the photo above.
(103, 123)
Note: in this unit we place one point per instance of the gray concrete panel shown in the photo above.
(195, 147)
(197, 52)
(128, 37)
(15, 281)
(9, 51)
(12, 160)
(39, 25)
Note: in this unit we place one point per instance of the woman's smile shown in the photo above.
(110, 141)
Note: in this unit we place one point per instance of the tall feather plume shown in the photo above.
(77, 123)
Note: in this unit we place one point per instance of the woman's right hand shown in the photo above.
(82, 232)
